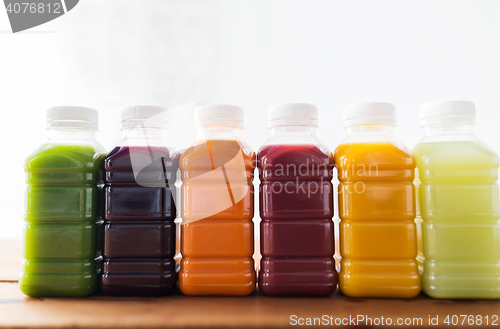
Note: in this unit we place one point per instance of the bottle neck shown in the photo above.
(219, 132)
(293, 130)
(71, 135)
(145, 136)
(366, 129)
(444, 129)
(295, 135)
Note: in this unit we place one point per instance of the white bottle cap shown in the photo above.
(149, 116)
(293, 114)
(72, 117)
(218, 115)
(376, 113)
(448, 112)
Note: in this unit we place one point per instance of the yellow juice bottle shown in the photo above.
(378, 239)
(459, 205)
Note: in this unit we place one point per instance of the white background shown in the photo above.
(109, 54)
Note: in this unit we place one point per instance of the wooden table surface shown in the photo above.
(178, 311)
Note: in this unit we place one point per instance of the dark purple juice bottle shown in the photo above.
(296, 206)
(139, 211)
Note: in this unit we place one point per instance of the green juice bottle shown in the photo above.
(62, 209)
(458, 204)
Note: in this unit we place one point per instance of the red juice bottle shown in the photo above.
(139, 210)
(296, 206)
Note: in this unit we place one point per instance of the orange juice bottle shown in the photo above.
(378, 238)
(217, 206)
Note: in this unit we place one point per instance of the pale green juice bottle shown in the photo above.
(458, 203)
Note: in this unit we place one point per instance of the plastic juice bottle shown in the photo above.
(378, 240)
(459, 204)
(62, 214)
(139, 231)
(296, 206)
(217, 206)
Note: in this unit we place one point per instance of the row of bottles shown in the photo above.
(399, 232)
